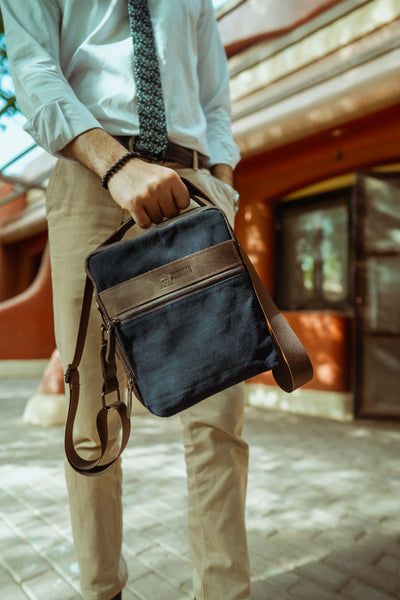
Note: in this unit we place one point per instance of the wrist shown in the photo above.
(223, 172)
(116, 167)
(96, 150)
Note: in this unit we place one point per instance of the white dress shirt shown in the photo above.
(71, 64)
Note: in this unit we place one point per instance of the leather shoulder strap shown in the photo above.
(93, 467)
(295, 368)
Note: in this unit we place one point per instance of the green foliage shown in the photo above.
(8, 103)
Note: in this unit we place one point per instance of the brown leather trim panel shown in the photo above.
(175, 276)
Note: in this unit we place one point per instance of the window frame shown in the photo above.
(324, 200)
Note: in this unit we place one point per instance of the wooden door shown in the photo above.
(376, 228)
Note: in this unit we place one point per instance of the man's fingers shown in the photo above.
(152, 208)
(168, 206)
(149, 192)
(168, 200)
(181, 194)
(141, 218)
(154, 213)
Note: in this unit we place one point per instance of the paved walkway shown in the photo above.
(323, 508)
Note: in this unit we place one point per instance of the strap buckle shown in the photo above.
(104, 393)
(108, 342)
(67, 374)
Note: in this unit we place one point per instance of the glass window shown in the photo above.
(313, 253)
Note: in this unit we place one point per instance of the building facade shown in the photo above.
(315, 88)
(316, 112)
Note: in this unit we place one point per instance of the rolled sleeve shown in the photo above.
(55, 124)
(221, 145)
(54, 114)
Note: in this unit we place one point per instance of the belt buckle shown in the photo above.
(132, 142)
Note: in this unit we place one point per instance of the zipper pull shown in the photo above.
(131, 387)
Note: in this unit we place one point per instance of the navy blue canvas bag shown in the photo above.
(185, 311)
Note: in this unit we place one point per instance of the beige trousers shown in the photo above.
(81, 214)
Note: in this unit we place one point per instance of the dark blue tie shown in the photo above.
(150, 101)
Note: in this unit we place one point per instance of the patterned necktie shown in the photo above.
(150, 102)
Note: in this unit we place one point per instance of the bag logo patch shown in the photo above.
(169, 278)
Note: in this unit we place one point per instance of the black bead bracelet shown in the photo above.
(120, 163)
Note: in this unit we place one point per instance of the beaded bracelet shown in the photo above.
(116, 167)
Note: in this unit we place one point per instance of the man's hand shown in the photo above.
(148, 191)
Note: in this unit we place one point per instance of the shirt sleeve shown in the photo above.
(214, 89)
(54, 114)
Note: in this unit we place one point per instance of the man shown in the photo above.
(72, 67)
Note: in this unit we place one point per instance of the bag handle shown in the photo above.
(293, 371)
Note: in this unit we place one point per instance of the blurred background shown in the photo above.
(315, 88)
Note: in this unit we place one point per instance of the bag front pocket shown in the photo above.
(197, 345)
(164, 284)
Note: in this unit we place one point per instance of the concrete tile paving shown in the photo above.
(322, 512)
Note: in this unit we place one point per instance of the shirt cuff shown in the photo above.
(224, 152)
(57, 123)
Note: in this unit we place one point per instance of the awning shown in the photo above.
(342, 65)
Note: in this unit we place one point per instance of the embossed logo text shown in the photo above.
(169, 278)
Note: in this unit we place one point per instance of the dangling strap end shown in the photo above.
(105, 392)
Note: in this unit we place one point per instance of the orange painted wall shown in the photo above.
(26, 313)
(326, 338)
(26, 320)
(264, 179)
(8, 256)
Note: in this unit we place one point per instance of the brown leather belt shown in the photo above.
(172, 153)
